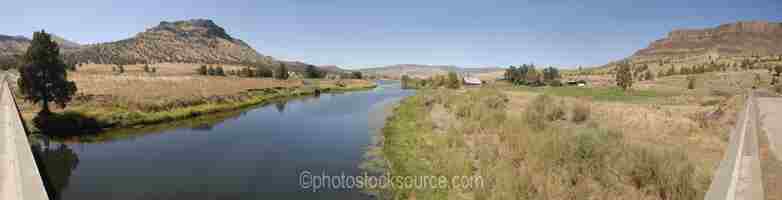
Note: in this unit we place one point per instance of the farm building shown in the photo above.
(472, 81)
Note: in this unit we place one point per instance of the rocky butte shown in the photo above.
(749, 38)
(188, 41)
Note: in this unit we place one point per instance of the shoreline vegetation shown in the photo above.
(562, 142)
(86, 119)
(137, 98)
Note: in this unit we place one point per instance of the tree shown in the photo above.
(550, 74)
(357, 75)
(312, 72)
(263, 72)
(219, 71)
(509, 73)
(282, 72)
(146, 68)
(624, 76)
(405, 81)
(203, 70)
(690, 82)
(121, 69)
(43, 77)
(531, 76)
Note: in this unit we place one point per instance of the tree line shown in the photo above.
(526, 74)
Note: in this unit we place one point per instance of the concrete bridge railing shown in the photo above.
(19, 176)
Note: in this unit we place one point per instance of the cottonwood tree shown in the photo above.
(43, 76)
(624, 75)
(550, 74)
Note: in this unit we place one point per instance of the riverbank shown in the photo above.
(550, 143)
(134, 99)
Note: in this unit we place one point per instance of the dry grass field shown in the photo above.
(175, 88)
(659, 141)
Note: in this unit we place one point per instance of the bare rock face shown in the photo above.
(190, 41)
(736, 39)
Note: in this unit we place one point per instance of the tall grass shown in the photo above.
(520, 160)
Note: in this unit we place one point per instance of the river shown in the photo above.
(256, 153)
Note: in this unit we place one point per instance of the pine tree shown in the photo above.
(43, 77)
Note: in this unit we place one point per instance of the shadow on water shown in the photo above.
(203, 123)
(71, 127)
(56, 164)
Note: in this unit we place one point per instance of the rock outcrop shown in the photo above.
(189, 41)
(752, 38)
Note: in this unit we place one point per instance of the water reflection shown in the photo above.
(58, 161)
(255, 153)
(280, 106)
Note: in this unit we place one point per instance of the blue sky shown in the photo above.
(370, 33)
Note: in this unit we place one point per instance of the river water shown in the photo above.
(256, 153)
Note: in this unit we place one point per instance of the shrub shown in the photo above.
(453, 81)
(211, 71)
(542, 110)
(667, 173)
(219, 71)
(555, 83)
(691, 82)
(581, 112)
(203, 70)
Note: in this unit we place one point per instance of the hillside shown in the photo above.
(740, 39)
(11, 46)
(758, 43)
(189, 41)
(421, 71)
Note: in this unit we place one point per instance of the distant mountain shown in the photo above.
(13, 46)
(64, 43)
(422, 71)
(749, 38)
(189, 41)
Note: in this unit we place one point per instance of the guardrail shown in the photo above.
(738, 175)
(19, 175)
